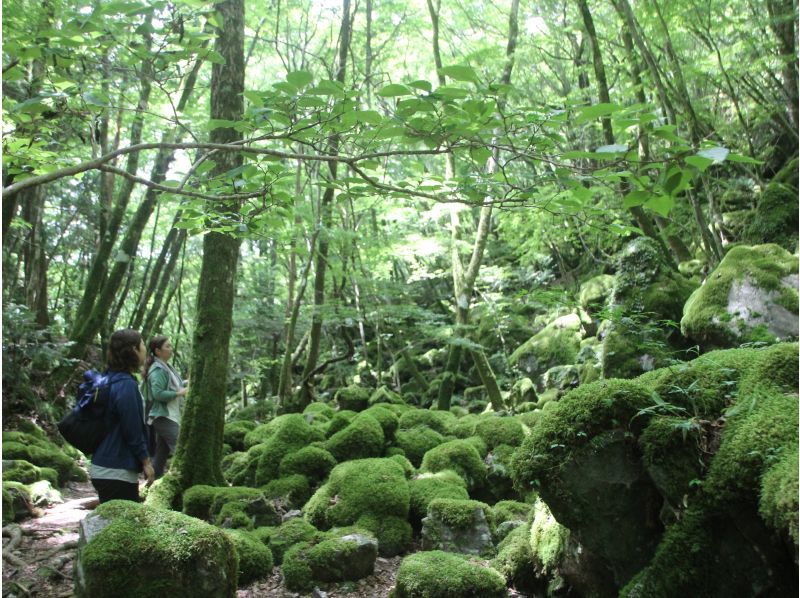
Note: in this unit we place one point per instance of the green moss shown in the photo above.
(255, 559)
(775, 219)
(242, 469)
(459, 456)
(548, 538)
(25, 447)
(296, 568)
(321, 409)
(438, 574)
(234, 433)
(339, 422)
(595, 292)
(573, 421)
(440, 421)
(242, 507)
(408, 467)
(464, 427)
(393, 533)
(459, 513)
(766, 265)
(289, 433)
(257, 411)
(353, 398)
(362, 439)
(313, 462)
(514, 559)
(385, 395)
(496, 430)
(778, 504)
(479, 444)
(511, 510)
(361, 487)
(292, 491)
(427, 487)
(170, 547)
(328, 561)
(292, 532)
(415, 442)
(556, 344)
(773, 367)
(671, 454)
(28, 473)
(197, 501)
(386, 418)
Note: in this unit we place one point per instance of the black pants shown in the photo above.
(116, 490)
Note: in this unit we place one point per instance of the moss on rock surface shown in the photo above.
(556, 344)
(313, 462)
(27, 473)
(427, 487)
(595, 292)
(775, 219)
(286, 434)
(143, 552)
(417, 441)
(352, 398)
(292, 532)
(234, 433)
(255, 559)
(460, 456)
(39, 451)
(750, 296)
(385, 395)
(496, 430)
(361, 439)
(438, 574)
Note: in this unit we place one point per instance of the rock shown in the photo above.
(556, 344)
(560, 377)
(353, 398)
(440, 574)
(345, 558)
(775, 219)
(506, 528)
(750, 296)
(595, 293)
(43, 494)
(523, 391)
(293, 514)
(170, 553)
(461, 526)
(647, 292)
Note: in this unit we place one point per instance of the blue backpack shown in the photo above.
(85, 426)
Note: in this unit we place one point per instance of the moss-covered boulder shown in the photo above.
(285, 434)
(231, 507)
(647, 291)
(311, 461)
(457, 525)
(339, 421)
(775, 219)
(417, 441)
(27, 473)
(361, 439)
(289, 492)
(172, 554)
(38, 450)
(387, 418)
(352, 398)
(255, 559)
(595, 293)
(369, 493)
(438, 574)
(280, 539)
(17, 504)
(441, 421)
(383, 394)
(426, 487)
(495, 430)
(349, 557)
(556, 344)
(234, 432)
(523, 391)
(750, 296)
(514, 561)
(460, 456)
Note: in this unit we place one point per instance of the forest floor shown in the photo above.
(39, 554)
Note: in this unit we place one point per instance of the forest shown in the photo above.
(471, 298)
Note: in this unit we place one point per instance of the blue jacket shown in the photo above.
(125, 447)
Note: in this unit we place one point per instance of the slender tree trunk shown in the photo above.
(199, 452)
(783, 20)
(148, 325)
(326, 211)
(34, 256)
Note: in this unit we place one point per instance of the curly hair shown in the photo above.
(122, 355)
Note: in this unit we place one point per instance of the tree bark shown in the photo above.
(199, 453)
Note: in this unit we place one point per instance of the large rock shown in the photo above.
(556, 344)
(126, 549)
(775, 218)
(348, 557)
(647, 291)
(750, 296)
(454, 525)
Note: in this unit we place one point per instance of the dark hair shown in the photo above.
(155, 343)
(122, 348)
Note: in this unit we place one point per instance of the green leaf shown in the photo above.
(95, 98)
(448, 91)
(698, 162)
(661, 204)
(393, 90)
(215, 57)
(459, 73)
(635, 198)
(205, 167)
(370, 117)
(254, 98)
(217, 123)
(299, 78)
(588, 113)
(480, 154)
(743, 159)
(421, 84)
(285, 87)
(672, 182)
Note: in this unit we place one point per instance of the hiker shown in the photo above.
(122, 454)
(164, 390)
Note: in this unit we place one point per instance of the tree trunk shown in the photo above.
(34, 256)
(199, 452)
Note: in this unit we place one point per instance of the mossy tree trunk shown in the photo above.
(199, 452)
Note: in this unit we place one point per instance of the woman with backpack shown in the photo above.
(122, 455)
(165, 390)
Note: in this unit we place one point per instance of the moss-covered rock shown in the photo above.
(750, 296)
(523, 391)
(778, 504)
(41, 452)
(241, 467)
(775, 219)
(343, 558)
(464, 427)
(197, 501)
(510, 510)
(595, 293)
(496, 430)
(27, 473)
(514, 560)
(17, 497)
(556, 344)
(417, 441)
(388, 420)
(428, 486)
(352, 398)
(319, 409)
(408, 467)
(255, 559)
(181, 556)
(438, 574)
(290, 492)
(339, 421)
(313, 462)
(361, 439)
(364, 492)
(287, 434)
(8, 507)
(292, 532)
(234, 433)
(43, 494)
(385, 395)
(440, 421)
(232, 507)
(457, 525)
(460, 456)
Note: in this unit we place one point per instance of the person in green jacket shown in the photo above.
(164, 389)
